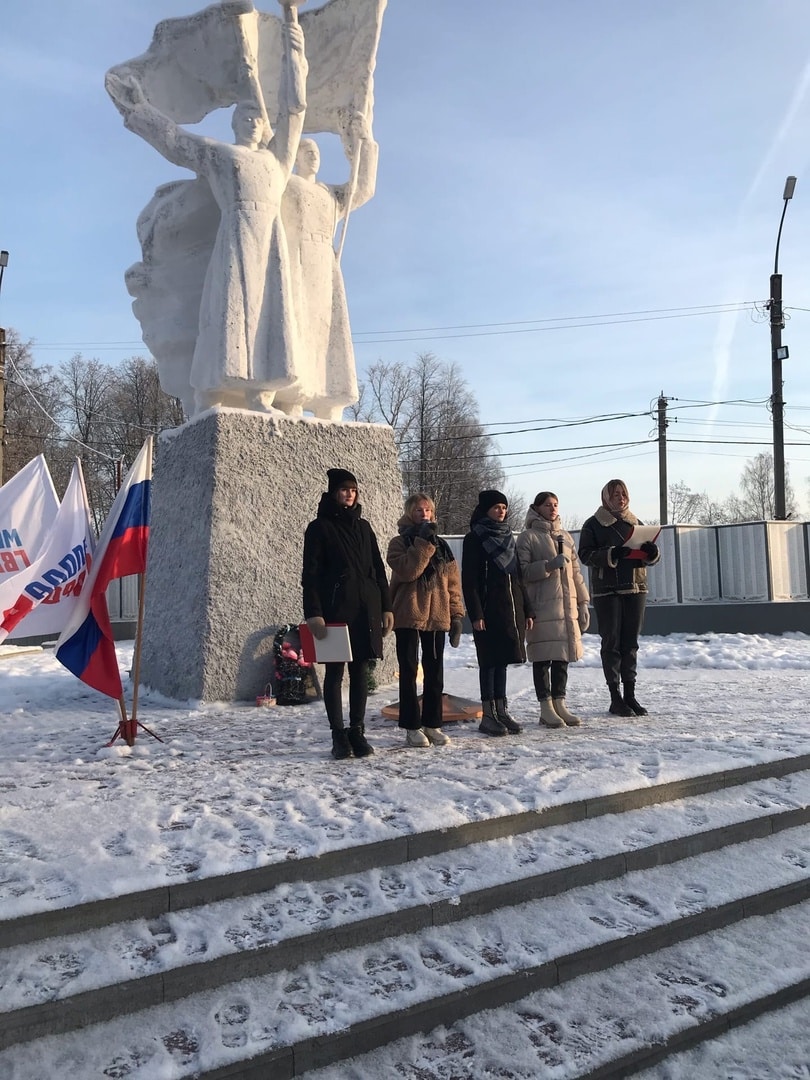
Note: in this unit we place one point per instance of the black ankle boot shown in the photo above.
(358, 742)
(340, 744)
(505, 717)
(617, 703)
(630, 700)
(490, 724)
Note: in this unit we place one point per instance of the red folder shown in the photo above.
(635, 539)
(335, 647)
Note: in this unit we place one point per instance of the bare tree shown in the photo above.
(138, 406)
(442, 446)
(31, 401)
(758, 491)
(684, 504)
(88, 409)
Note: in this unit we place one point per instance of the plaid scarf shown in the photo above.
(498, 543)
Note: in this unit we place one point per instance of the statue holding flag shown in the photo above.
(239, 291)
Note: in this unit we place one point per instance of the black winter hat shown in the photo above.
(489, 498)
(339, 478)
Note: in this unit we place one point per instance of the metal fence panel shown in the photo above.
(697, 554)
(787, 559)
(662, 579)
(743, 561)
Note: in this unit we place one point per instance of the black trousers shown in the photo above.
(492, 681)
(620, 617)
(432, 642)
(358, 693)
(550, 678)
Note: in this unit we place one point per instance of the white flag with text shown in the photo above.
(40, 598)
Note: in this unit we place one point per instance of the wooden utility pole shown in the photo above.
(662, 459)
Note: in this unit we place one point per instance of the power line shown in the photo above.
(56, 424)
(734, 305)
(438, 336)
(491, 328)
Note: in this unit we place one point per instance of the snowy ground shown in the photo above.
(234, 787)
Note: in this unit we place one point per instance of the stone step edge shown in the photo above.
(106, 1003)
(362, 1038)
(152, 903)
(648, 1056)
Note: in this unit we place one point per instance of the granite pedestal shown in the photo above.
(233, 492)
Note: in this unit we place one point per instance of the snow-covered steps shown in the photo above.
(404, 848)
(363, 998)
(56, 985)
(438, 905)
(715, 1007)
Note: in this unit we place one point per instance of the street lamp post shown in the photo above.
(778, 354)
(3, 265)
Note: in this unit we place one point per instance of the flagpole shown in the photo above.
(123, 725)
(136, 659)
(355, 174)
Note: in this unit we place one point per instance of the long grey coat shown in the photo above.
(556, 595)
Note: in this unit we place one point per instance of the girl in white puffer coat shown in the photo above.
(553, 579)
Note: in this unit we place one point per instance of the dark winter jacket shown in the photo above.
(599, 535)
(500, 600)
(344, 577)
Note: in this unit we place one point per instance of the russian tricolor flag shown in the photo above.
(86, 645)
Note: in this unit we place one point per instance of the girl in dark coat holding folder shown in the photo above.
(344, 581)
(618, 590)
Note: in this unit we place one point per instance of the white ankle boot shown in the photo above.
(436, 736)
(571, 719)
(548, 716)
(416, 737)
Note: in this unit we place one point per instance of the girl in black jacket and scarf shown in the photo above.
(497, 606)
(618, 591)
(344, 581)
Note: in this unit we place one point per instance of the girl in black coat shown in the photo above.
(618, 591)
(497, 605)
(344, 581)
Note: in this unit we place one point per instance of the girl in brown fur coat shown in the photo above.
(426, 600)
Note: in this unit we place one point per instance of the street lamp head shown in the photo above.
(790, 187)
(3, 258)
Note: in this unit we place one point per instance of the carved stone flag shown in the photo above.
(196, 64)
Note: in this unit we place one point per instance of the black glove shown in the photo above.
(619, 552)
(427, 531)
(455, 632)
(650, 549)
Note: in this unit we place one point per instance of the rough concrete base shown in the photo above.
(233, 492)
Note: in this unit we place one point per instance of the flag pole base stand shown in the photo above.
(128, 730)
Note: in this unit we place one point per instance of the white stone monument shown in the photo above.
(241, 301)
(239, 292)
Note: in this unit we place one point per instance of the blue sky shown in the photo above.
(539, 163)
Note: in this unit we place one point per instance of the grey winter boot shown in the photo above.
(490, 724)
(549, 715)
(505, 717)
(571, 719)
